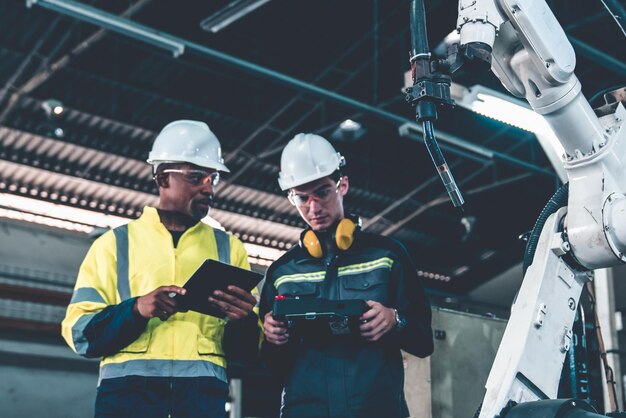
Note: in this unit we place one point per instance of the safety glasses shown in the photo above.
(197, 177)
(321, 195)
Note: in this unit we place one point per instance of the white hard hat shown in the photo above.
(307, 157)
(188, 141)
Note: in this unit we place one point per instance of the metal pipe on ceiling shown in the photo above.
(178, 46)
(598, 57)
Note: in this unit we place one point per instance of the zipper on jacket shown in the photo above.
(331, 273)
(170, 396)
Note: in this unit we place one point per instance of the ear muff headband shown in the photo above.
(343, 236)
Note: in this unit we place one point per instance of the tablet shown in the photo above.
(210, 276)
(314, 308)
(317, 317)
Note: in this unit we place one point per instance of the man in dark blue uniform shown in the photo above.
(360, 373)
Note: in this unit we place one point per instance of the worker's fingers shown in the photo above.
(234, 301)
(270, 329)
(162, 314)
(376, 333)
(370, 324)
(278, 340)
(161, 307)
(374, 310)
(231, 311)
(164, 299)
(242, 294)
(269, 318)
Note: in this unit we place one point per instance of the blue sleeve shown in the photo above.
(113, 328)
(412, 302)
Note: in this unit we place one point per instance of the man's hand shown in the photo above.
(158, 303)
(377, 321)
(236, 303)
(275, 331)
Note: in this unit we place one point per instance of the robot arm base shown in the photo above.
(553, 408)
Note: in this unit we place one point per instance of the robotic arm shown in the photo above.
(533, 59)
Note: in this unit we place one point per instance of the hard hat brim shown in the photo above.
(201, 162)
(285, 184)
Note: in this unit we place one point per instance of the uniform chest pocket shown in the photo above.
(372, 285)
(140, 345)
(305, 289)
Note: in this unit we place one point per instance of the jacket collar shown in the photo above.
(151, 216)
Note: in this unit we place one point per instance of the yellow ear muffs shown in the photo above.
(344, 234)
(311, 242)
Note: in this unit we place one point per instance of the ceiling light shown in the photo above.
(234, 11)
(37, 207)
(260, 251)
(460, 270)
(58, 132)
(257, 254)
(74, 219)
(433, 276)
(486, 255)
(348, 131)
(53, 108)
(44, 220)
(112, 22)
(514, 112)
(350, 125)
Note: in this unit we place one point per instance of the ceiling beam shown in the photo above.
(129, 28)
(605, 60)
(444, 199)
(277, 114)
(41, 76)
(425, 206)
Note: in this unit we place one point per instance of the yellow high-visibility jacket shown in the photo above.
(129, 262)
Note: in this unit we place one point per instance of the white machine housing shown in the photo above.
(533, 59)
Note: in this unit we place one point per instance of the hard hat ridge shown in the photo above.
(187, 141)
(306, 158)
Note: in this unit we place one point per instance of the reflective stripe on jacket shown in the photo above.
(132, 261)
(346, 376)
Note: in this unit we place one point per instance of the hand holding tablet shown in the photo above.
(212, 290)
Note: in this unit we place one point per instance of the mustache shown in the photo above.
(208, 199)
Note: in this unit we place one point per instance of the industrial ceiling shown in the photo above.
(284, 67)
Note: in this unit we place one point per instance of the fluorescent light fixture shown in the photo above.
(112, 22)
(257, 254)
(234, 11)
(262, 252)
(501, 107)
(510, 113)
(461, 270)
(63, 213)
(45, 220)
(75, 219)
(212, 222)
(514, 112)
